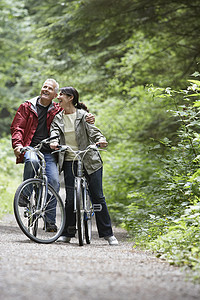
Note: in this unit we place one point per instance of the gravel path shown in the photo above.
(94, 272)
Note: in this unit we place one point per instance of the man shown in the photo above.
(31, 125)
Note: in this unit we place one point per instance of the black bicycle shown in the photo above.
(83, 207)
(38, 208)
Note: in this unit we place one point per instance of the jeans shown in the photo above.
(31, 166)
(94, 180)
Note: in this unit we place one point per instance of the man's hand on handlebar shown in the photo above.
(17, 151)
(21, 150)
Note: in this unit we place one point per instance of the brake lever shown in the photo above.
(60, 149)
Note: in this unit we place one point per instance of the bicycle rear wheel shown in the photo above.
(40, 220)
(79, 211)
(88, 219)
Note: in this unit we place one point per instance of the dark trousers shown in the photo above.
(103, 220)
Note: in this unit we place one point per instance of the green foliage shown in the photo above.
(181, 244)
(16, 51)
(130, 43)
(10, 176)
(154, 40)
(164, 215)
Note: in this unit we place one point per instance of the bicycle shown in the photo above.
(83, 207)
(43, 205)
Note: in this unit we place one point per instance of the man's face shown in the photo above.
(48, 91)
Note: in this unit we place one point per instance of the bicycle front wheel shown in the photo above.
(79, 211)
(40, 215)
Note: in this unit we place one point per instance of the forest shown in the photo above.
(136, 66)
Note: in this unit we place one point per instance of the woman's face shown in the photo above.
(64, 99)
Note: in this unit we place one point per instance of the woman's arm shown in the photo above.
(54, 131)
(95, 135)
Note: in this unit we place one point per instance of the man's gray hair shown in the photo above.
(55, 82)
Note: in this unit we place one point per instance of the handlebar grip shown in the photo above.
(25, 149)
(22, 150)
(61, 148)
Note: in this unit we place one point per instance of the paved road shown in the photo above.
(93, 272)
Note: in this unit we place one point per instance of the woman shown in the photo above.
(74, 131)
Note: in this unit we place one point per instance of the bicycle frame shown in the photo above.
(83, 207)
(83, 183)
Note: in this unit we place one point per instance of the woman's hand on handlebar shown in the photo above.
(54, 146)
(102, 143)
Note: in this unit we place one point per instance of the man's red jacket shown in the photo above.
(25, 123)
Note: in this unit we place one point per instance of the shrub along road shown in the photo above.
(97, 271)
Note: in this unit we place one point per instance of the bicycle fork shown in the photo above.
(84, 194)
(75, 185)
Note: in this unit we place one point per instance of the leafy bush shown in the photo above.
(10, 176)
(152, 185)
(181, 244)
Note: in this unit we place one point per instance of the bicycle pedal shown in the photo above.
(97, 207)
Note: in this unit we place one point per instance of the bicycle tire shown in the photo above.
(79, 212)
(88, 219)
(32, 219)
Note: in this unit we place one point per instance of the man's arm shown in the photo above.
(17, 129)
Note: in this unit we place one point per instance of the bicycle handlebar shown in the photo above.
(63, 148)
(38, 146)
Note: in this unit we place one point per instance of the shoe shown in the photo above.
(63, 239)
(23, 201)
(51, 227)
(111, 240)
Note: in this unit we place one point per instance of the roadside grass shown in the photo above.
(180, 246)
(8, 186)
(178, 243)
(10, 176)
